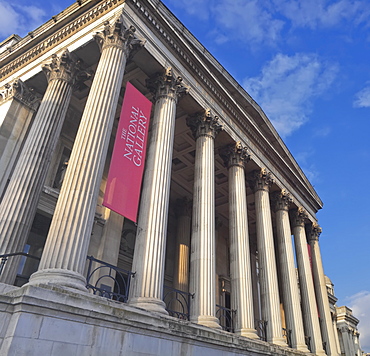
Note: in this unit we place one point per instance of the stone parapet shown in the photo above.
(65, 321)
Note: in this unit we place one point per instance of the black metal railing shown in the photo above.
(108, 281)
(21, 277)
(307, 340)
(261, 327)
(177, 302)
(287, 333)
(226, 316)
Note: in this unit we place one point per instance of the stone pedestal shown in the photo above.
(149, 255)
(321, 291)
(202, 260)
(260, 182)
(18, 206)
(64, 255)
(308, 300)
(289, 285)
(240, 265)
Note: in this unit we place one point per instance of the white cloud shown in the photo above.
(18, 19)
(9, 19)
(360, 305)
(322, 13)
(262, 22)
(248, 20)
(363, 98)
(287, 86)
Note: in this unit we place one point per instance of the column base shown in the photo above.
(279, 341)
(149, 304)
(207, 320)
(302, 348)
(249, 333)
(58, 276)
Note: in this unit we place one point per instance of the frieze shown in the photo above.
(58, 36)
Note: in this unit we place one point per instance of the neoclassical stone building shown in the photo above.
(211, 266)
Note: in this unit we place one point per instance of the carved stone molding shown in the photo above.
(234, 155)
(165, 84)
(204, 124)
(281, 200)
(314, 232)
(40, 47)
(65, 67)
(117, 34)
(299, 217)
(260, 180)
(20, 91)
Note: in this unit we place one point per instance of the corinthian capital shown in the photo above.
(314, 232)
(281, 200)
(234, 155)
(260, 180)
(117, 34)
(167, 85)
(20, 91)
(299, 216)
(204, 124)
(65, 67)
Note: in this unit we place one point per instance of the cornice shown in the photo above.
(223, 97)
(36, 44)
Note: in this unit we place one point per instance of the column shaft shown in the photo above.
(321, 292)
(202, 260)
(64, 255)
(260, 182)
(240, 264)
(19, 204)
(149, 255)
(290, 291)
(308, 300)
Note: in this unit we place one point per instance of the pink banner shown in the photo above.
(122, 193)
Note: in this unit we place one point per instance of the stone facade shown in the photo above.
(209, 269)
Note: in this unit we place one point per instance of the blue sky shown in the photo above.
(307, 63)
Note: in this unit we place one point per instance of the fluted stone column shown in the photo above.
(260, 182)
(19, 204)
(18, 104)
(64, 255)
(149, 255)
(202, 258)
(321, 291)
(240, 265)
(344, 330)
(308, 300)
(182, 255)
(290, 291)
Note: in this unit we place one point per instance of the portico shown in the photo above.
(248, 189)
